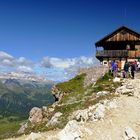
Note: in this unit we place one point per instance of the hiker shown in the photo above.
(126, 70)
(132, 69)
(136, 66)
(115, 69)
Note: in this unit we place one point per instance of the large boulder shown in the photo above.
(81, 115)
(34, 136)
(71, 131)
(74, 131)
(99, 112)
(36, 115)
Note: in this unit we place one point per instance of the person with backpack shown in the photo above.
(126, 70)
(132, 69)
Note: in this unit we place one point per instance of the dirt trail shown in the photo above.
(115, 121)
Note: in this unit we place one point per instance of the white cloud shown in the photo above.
(7, 62)
(68, 62)
(63, 69)
(23, 61)
(52, 68)
(10, 63)
(61, 63)
(46, 62)
(24, 69)
(4, 55)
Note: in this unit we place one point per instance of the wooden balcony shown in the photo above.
(118, 54)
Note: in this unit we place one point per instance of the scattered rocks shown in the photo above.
(130, 134)
(55, 118)
(126, 90)
(95, 112)
(129, 87)
(35, 115)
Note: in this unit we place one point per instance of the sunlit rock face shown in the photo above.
(35, 115)
(93, 74)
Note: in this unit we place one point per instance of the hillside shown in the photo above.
(105, 110)
(120, 123)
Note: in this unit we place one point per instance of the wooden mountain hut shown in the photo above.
(121, 45)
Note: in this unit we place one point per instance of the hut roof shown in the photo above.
(121, 34)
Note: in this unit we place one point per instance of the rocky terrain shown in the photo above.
(109, 110)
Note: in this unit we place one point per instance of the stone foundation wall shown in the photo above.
(93, 74)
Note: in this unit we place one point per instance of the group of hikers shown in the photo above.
(128, 69)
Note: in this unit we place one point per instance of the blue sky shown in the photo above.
(62, 29)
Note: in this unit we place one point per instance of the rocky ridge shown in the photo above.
(92, 75)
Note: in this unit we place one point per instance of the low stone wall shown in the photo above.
(93, 74)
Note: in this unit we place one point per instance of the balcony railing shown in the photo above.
(112, 53)
(118, 53)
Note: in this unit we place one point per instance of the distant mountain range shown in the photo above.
(24, 76)
(20, 92)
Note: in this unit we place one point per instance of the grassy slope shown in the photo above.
(78, 97)
(9, 126)
(74, 88)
